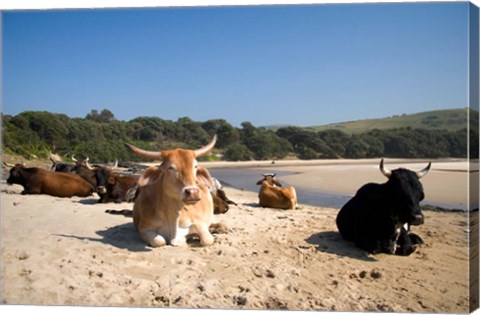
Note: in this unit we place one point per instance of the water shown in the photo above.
(246, 178)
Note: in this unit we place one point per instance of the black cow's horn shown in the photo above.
(385, 171)
(87, 164)
(424, 172)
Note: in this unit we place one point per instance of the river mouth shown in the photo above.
(246, 179)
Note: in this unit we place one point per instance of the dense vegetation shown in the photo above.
(101, 137)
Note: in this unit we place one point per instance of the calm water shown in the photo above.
(246, 178)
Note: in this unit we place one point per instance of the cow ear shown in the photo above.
(149, 176)
(260, 182)
(203, 177)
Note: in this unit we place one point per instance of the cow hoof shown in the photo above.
(207, 240)
(218, 228)
(153, 239)
(181, 241)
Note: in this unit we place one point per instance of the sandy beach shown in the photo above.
(68, 251)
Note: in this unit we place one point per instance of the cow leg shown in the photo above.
(407, 243)
(416, 240)
(205, 237)
(375, 246)
(180, 238)
(152, 238)
(221, 194)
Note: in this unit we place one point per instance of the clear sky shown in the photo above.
(302, 64)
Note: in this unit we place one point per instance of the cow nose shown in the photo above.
(191, 194)
(101, 190)
(417, 219)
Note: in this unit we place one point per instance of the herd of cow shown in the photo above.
(178, 198)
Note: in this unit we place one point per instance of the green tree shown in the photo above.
(105, 116)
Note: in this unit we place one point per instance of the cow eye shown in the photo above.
(172, 168)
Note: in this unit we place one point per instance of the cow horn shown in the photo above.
(8, 164)
(424, 172)
(204, 150)
(144, 153)
(115, 165)
(73, 158)
(385, 171)
(88, 165)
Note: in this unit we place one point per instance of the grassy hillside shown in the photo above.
(451, 119)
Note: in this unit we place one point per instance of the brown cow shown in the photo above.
(39, 181)
(220, 199)
(118, 188)
(170, 204)
(272, 195)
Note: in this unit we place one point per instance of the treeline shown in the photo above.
(101, 137)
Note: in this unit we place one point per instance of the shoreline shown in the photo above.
(446, 185)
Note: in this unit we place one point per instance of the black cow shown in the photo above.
(110, 186)
(378, 217)
(97, 176)
(59, 166)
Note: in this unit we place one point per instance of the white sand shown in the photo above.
(70, 252)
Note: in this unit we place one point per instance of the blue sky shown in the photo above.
(302, 64)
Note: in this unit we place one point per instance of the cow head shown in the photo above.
(406, 192)
(178, 171)
(270, 179)
(16, 175)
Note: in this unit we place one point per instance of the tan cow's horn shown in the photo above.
(73, 158)
(144, 153)
(385, 171)
(204, 150)
(424, 172)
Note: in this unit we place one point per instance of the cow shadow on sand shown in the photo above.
(332, 243)
(89, 201)
(123, 236)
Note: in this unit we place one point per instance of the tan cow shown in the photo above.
(170, 204)
(272, 195)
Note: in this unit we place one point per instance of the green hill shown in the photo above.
(450, 119)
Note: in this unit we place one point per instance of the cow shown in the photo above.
(378, 218)
(110, 186)
(40, 181)
(116, 188)
(88, 173)
(59, 166)
(220, 200)
(170, 204)
(273, 195)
